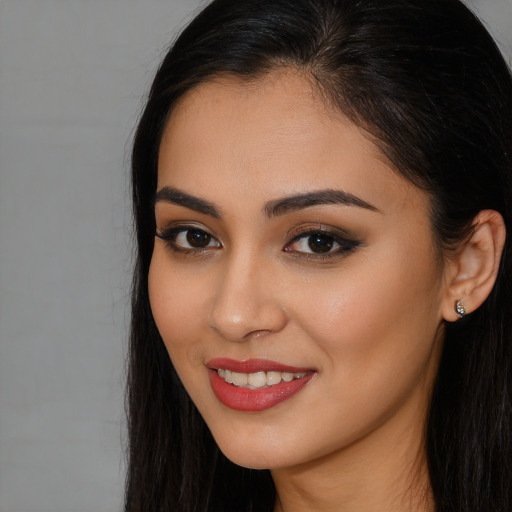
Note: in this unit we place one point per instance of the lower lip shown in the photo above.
(255, 400)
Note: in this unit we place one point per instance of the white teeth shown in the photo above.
(273, 378)
(258, 379)
(239, 379)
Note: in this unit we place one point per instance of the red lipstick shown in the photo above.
(255, 400)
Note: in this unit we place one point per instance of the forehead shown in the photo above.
(273, 136)
(277, 106)
(296, 86)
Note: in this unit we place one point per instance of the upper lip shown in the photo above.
(253, 366)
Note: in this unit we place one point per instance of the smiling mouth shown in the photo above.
(258, 380)
(255, 385)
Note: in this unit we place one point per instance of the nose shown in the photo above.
(247, 303)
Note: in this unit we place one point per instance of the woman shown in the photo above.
(321, 303)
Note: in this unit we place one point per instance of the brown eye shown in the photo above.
(187, 238)
(198, 239)
(320, 242)
(316, 242)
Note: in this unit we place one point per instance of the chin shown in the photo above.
(252, 460)
(258, 454)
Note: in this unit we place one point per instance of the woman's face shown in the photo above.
(291, 260)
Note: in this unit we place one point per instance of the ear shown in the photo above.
(471, 274)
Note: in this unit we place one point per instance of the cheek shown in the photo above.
(378, 314)
(178, 303)
(374, 329)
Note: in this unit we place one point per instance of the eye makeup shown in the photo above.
(318, 242)
(314, 242)
(188, 239)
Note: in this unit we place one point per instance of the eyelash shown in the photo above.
(170, 235)
(345, 245)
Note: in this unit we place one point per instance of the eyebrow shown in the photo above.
(175, 196)
(319, 197)
(271, 209)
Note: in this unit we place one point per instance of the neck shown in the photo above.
(386, 471)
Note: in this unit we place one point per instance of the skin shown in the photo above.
(368, 321)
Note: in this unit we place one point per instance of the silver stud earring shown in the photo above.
(460, 308)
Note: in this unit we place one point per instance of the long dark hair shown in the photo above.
(426, 80)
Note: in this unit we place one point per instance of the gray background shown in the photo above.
(72, 75)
